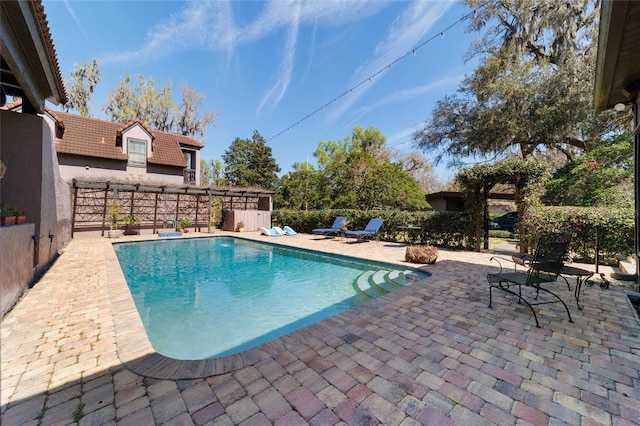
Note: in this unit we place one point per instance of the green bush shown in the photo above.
(615, 230)
(454, 229)
(496, 233)
(449, 229)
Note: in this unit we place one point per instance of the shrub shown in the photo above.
(451, 229)
(615, 230)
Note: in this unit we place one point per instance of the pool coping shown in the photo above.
(138, 355)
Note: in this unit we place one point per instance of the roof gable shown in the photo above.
(91, 137)
(135, 123)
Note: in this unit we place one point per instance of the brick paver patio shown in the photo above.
(433, 353)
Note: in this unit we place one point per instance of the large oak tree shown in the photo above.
(532, 91)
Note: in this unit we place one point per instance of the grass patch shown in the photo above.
(497, 233)
(78, 414)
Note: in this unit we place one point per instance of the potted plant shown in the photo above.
(182, 224)
(131, 224)
(240, 226)
(20, 217)
(113, 218)
(215, 215)
(8, 214)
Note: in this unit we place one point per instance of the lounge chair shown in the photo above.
(290, 231)
(370, 231)
(543, 268)
(335, 228)
(272, 232)
(287, 230)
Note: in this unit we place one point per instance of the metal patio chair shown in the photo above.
(543, 268)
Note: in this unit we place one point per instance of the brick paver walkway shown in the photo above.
(432, 353)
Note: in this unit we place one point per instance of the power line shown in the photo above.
(412, 52)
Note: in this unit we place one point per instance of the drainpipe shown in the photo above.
(36, 249)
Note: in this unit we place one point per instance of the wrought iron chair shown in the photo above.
(543, 268)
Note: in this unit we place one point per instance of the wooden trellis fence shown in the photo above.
(157, 206)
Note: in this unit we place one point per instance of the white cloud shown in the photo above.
(211, 25)
(286, 68)
(401, 96)
(67, 6)
(405, 34)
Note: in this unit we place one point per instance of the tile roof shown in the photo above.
(48, 40)
(99, 138)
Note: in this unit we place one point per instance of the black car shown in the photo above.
(507, 221)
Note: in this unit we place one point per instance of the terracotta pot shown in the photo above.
(7, 220)
(21, 219)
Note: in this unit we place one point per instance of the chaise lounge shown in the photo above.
(371, 230)
(335, 228)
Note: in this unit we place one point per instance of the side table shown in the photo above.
(411, 232)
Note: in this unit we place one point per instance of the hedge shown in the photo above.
(446, 229)
(454, 229)
(615, 230)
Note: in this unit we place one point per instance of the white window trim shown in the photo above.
(135, 163)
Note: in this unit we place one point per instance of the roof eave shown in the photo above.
(618, 62)
(24, 33)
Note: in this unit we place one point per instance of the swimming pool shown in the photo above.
(203, 298)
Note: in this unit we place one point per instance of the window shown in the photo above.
(187, 159)
(137, 152)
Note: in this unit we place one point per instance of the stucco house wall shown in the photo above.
(33, 184)
(87, 168)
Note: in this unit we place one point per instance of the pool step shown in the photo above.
(363, 285)
(376, 283)
(380, 280)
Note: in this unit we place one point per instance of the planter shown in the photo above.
(114, 233)
(211, 229)
(240, 229)
(21, 219)
(132, 229)
(7, 220)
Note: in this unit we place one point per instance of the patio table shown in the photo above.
(582, 276)
(411, 232)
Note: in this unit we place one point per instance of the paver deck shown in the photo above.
(73, 351)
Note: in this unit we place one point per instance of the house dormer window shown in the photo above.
(137, 152)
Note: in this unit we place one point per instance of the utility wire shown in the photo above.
(412, 52)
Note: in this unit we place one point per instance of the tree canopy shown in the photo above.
(248, 162)
(356, 172)
(532, 91)
(600, 178)
(212, 173)
(84, 79)
(143, 100)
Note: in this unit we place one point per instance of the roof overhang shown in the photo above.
(29, 65)
(618, 65)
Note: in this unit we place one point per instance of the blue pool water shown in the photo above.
(208, 297)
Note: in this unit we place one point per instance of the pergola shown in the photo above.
(154, 204)
(617, 82)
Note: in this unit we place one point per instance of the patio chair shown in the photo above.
(272, 232)
(543, 268)
(287, 230)
(371, 230)
(335, 228)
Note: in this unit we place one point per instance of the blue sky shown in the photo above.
(268, 65)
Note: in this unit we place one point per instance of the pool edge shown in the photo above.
(137, 354)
